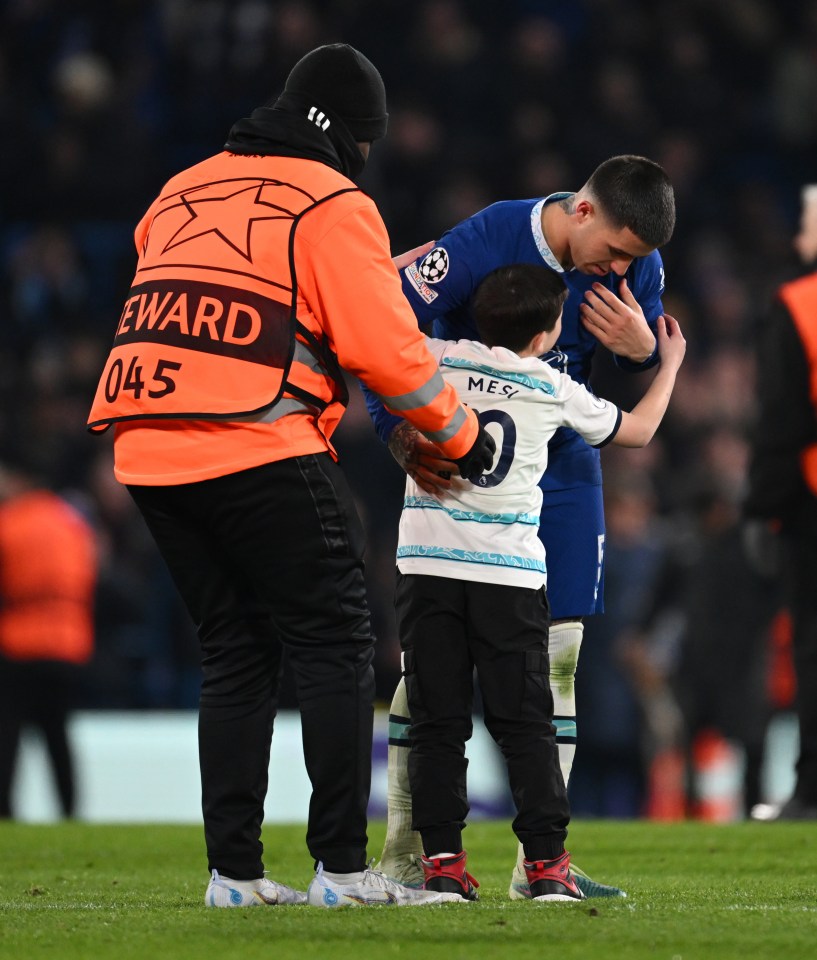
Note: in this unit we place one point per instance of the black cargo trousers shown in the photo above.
(266, 559)
(448, 629)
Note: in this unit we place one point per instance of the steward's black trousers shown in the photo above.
(800, 590)
(447, 628)
(264, 559)
(39, 693)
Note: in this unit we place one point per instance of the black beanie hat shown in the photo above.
(340, 79)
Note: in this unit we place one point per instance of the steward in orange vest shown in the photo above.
(48, 567)
(260, 276)
(781, 499)
(263, 272)
(800, 298)
(783, 469)
(47, 579)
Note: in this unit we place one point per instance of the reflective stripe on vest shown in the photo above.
(208, 330)
(800, 298)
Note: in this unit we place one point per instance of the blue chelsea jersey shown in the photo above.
(440, 286)
(511, 232)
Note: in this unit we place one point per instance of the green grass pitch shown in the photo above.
(696, 892)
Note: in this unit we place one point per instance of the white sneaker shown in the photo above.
(407, 868)
(224, 892)
(373, 890)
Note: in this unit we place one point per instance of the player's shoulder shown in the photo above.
(648, 271)
(503, 211)
(481, 241)
(652, 263)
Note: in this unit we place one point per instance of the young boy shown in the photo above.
(471, 578)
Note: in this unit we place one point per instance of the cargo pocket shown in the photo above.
(413, 689)
(537, 700)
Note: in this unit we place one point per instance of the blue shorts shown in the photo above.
(572, 529)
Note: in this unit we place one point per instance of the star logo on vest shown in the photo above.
(230, 216)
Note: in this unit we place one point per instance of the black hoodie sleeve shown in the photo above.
(785, 423)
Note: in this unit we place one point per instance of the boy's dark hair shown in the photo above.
(635, 193)
(514, 303)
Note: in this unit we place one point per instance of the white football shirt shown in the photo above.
(487, 530)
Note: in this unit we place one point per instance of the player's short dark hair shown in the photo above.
(635, 193)
(516, 302)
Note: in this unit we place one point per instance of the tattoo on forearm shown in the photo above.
(402, 444)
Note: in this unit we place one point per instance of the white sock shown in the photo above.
(563, 649)
(400, 838)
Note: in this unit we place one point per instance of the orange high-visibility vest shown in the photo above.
(208, 327)
(800, 298)
(258, 278)
(48, 567)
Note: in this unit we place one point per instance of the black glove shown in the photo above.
(479, 458)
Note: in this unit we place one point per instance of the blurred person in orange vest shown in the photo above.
(48, 567)
(263, 272)
(781, 501)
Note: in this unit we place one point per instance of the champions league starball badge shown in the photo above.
(435, 265)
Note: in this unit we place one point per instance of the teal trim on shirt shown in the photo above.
(427, 503)
(470, 556)
(525, 379)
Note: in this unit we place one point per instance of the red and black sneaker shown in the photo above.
(552, 879)
(448, 875)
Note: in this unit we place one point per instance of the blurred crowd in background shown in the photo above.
(103, 100)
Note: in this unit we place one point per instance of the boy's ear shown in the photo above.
(541, 343)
